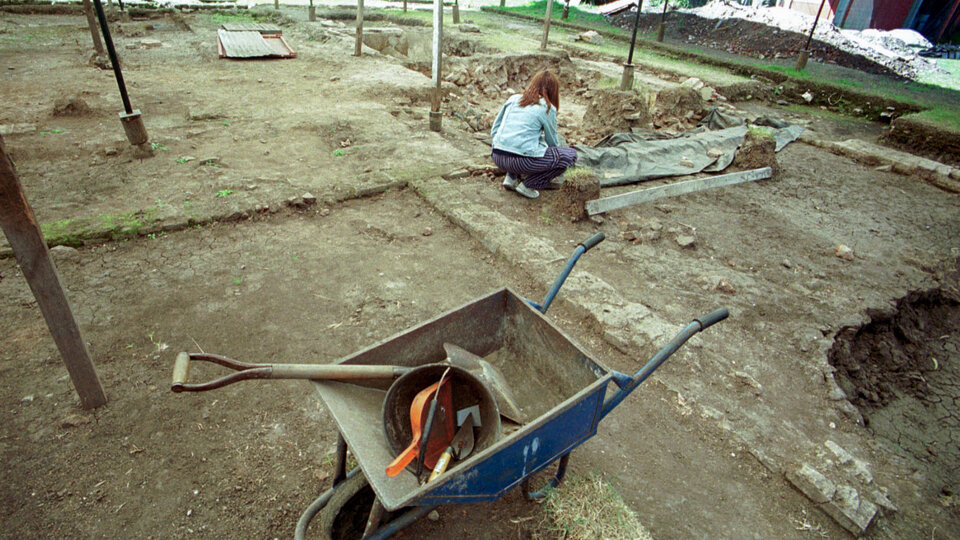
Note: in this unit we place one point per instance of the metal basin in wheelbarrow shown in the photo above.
(557, 385)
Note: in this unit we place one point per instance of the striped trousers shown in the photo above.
(537, 172)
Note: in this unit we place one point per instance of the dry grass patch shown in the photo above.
(588, 508)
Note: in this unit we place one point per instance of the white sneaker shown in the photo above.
(529, 193)
(510, 182)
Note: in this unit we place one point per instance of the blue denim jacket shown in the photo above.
(526, 131)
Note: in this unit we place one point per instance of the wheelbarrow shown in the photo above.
(564, 396)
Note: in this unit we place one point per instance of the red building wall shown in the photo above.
(890, 14)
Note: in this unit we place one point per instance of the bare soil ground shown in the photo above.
(699, 451)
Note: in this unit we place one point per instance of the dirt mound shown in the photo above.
(747, 38)
(71, 106)
(614, 111)
(758, 151)
(896, 352)
(581, 185)
(492, 75)
(679, 107)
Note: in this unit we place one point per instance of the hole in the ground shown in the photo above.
(902, 369)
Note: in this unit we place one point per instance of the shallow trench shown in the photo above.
(902, 369)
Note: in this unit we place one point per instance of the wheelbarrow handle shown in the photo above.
(627, 383)
(592, 241)
(244, 371)
(712, 318)
(582, 248)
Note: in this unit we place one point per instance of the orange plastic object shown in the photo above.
(441, 433)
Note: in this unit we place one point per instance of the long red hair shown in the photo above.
(543, 85)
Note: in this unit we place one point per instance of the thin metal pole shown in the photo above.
(814, 27)
(112, 52)
(437, 52)
(633, 40)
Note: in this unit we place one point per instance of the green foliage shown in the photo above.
(224, 193)
(158, 146)
(338, 152)
(52, 132)
(182, 160)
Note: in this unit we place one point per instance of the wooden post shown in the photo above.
(456, 12)
(276, 4)
(312, 12)
(663, 22)
(805, 52)
(436, 117)
(546, 25)
(22, 231)
(359, 47)
(94, 31)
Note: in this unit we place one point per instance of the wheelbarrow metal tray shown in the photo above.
(558, 386)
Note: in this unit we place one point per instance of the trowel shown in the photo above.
(460, 447)
(491, 376)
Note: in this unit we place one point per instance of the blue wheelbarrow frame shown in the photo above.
(577, 399)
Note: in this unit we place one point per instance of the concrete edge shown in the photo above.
(181, 220)
(935, 173)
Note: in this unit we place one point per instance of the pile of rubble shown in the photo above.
(773, 32)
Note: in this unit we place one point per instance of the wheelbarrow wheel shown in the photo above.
(345, 515)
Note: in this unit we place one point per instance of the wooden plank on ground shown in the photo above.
(22, 231)
(624, 200)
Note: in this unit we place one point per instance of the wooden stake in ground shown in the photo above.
(359, 47)
(663, 22)
(94, 30)
(436, 117)
(546, 25)
(805, 53)
(632, 198)
(22, 231)
(456, 12)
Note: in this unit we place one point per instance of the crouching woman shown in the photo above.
(525, 140)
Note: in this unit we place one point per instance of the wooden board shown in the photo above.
(252, 44)
(263, 28)
(632, 198)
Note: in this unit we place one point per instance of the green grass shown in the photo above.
(576, 16)
(940, 117)
(224, 193)
(72, 232)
